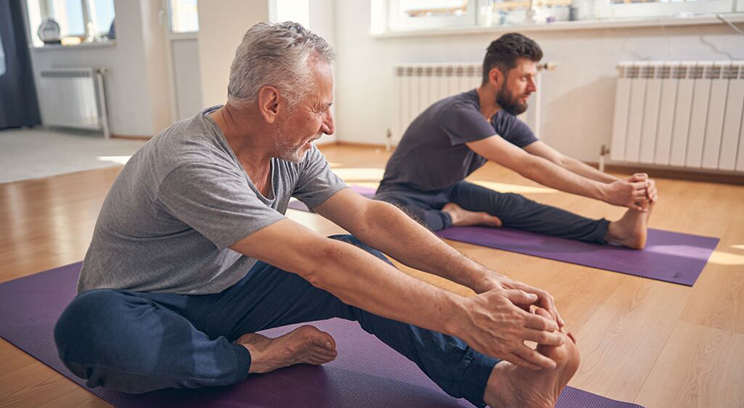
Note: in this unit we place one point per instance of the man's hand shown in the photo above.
(545, 300)
(625, 193)
(651, 193)
(496, 325)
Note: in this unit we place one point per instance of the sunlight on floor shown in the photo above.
(353, 175)
(514, 188)
(114, 159)
(737, 246)
(726, 258)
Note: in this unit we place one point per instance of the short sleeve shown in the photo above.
(513, 130)
(216, 201)
(463, 123)
(316, 182)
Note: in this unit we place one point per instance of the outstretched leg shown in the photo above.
(518, 212)
(269, 297)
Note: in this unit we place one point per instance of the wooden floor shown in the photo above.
(652, 343)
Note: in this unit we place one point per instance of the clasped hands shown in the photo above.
(636, 192)
(505, 314)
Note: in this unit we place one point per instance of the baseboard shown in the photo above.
(672, 173)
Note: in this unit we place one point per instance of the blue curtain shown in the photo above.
(18, 103)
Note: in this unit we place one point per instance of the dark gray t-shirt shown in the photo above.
(178, 205)
(432, 155)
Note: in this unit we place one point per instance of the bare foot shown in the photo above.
(630, 230)
(513, 386)
(462, 217)
(304, 345)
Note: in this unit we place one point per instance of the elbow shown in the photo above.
(563, 161)
(324, 258)
(377, 213)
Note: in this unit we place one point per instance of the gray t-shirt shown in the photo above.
(432, 155)
(178, 205)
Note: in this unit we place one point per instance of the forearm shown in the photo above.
(393, 232)
(362, 280)
(552, 175)
(583, 169)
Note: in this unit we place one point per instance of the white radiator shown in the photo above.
(680, 114)
(417, 86)
(73, 98)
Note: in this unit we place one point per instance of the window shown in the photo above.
(652, 8)
(78, 20)
(412, 14)
(530, 11)
(184, 16)
(405, 15)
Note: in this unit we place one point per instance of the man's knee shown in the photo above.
(88, 325)
(350, 239)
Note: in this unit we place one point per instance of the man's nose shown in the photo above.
(328, 127)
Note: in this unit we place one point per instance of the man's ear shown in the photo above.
(496, 77)
(269, 103)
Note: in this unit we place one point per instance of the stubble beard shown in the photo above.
(509, 103)
(286, 149)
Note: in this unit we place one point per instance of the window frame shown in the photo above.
(38, 10)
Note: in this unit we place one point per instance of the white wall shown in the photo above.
(577, 99)
(323, 23)
(222, 24)
(135, 84)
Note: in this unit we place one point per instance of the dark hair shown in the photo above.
(504, 52)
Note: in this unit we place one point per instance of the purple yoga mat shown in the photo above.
(668, 256)
(366, 373)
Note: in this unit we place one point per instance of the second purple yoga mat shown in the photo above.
(366, 374)
(668, 256)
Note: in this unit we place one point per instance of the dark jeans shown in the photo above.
(514, 210)
(138, 342)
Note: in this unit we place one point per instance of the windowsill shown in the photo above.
(101, 44)
(707, 19)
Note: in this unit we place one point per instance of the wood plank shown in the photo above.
(699, 367)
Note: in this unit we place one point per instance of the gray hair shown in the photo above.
(275, 55)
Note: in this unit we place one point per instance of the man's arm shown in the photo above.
(388, 229)
(491, 323)
(543, 150)
(624, 193)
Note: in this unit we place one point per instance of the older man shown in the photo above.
(457, 135)
(192, 254)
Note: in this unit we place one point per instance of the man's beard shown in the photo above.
(285, 148)
(287, 151)
(509, 103)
